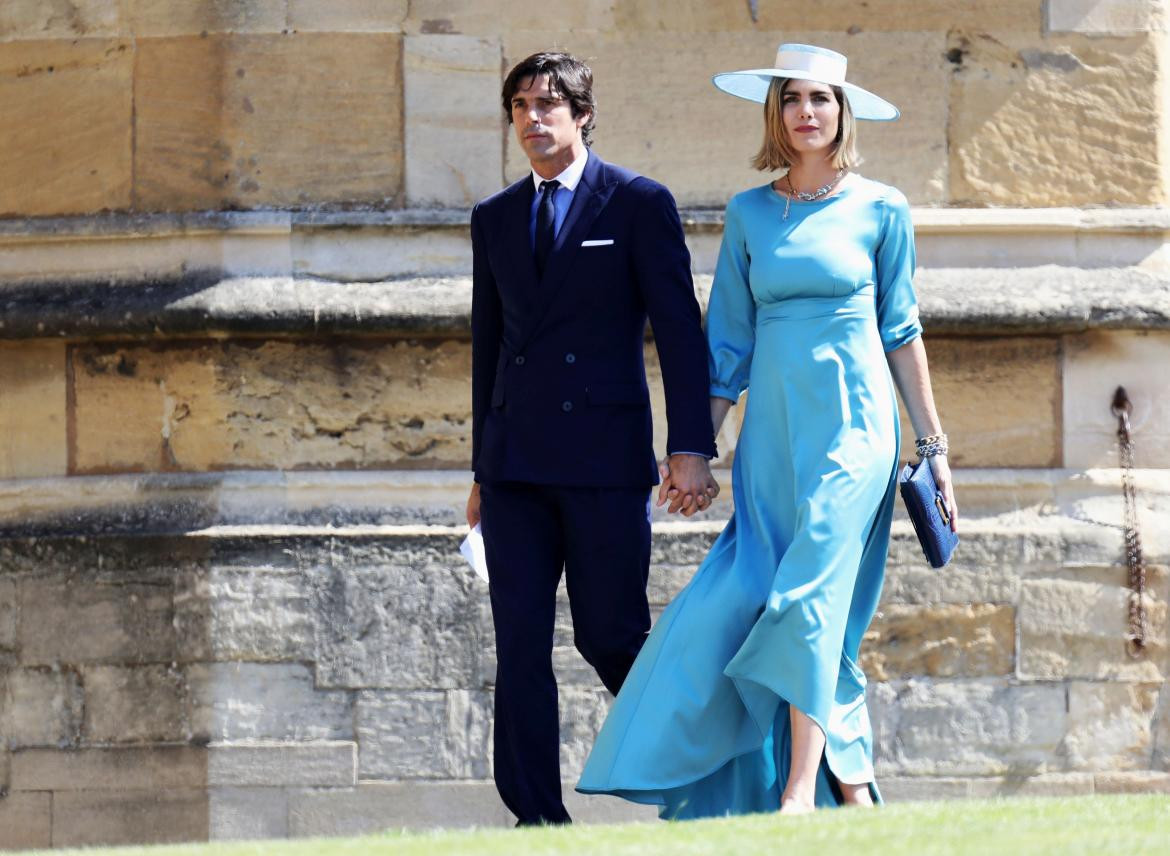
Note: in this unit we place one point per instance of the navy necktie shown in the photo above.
(546, 221)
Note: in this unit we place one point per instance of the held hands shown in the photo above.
(941, 470)
(688, 484)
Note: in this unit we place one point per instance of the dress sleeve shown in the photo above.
(897, 306)
(731, 313)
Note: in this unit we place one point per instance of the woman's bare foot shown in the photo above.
(856, 794)
(796, 805)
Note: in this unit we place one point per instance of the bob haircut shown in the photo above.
(777, 152)
(568, 77)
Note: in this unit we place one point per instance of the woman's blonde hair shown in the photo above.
(777, 151)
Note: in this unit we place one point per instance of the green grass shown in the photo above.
(1130, 824)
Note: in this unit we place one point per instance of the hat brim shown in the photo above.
(753, 85)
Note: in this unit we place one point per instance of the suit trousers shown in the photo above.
(600, 537)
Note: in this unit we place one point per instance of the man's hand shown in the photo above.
(473, 506)
(688, 484)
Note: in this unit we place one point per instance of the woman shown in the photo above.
(747, 695)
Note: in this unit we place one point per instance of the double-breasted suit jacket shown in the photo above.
(559, 392)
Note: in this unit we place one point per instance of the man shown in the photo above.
(568, 264)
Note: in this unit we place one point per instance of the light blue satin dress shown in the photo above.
(802, 312)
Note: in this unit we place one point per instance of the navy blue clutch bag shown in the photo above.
(928, 512)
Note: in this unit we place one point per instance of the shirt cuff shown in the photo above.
(684, 452)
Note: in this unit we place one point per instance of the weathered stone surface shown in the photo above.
(1021, 783)
(1109, 725)
(26, 821)
(198, 407)
(1076, 629)
(1144, 782)
(583, 710)
(244, 813)
(78, 94)
(93, 818)
(1095, 365)
(915, 582)
(136, 704)
(942, 641)
(975, 728)
(641, 78)
(452, 119)
(1062, 99)
(32, 411)
(176, 17)
(411, 621)
(328, 764)
(214, 121)
(8, 614)
(40, 707)
(270, 701)
(60, 19)
(1103, 17)
(244, 613)
(156, 768)
(926, 789)
(347, 15)
(376, 806)
(999, 399)
(1161, 729)
(424, 735)
(129, 622)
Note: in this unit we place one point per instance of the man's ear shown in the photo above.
(583, 119)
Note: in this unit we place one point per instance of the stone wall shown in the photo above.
(234, 294)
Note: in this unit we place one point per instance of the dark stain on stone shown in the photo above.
(1051, 59)
(240, 72)
(955, 55)
(248, 108)
(249, 186)
(125, 367)
(438, 25)
(413, 424)
(853, 30)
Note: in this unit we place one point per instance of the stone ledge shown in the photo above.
(326, 763)
(1046, 300)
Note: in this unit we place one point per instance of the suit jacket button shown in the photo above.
(567, 406)
(570, 358)
(519, 360)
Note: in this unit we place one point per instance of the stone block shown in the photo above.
(32, 410)
(917, 583)
(397, 404)
(40, 707)
(1095, 365)
(1077, 629)
(60, 19)
(26, 821)
(1062, 99)
(129, 622)
(135, 704)
(324, 764)
(968, 728)
(347, 15)
(453, 120)
(424, 735)
(244, 613)
(76, 93)
(156, 768)
(247, 813)
(942, 641)
(8, 614)
(642, 78)
(582, 712)
(215, 120)
(924, 789)
(1110, 725)
(270, 701)
(96, 818)
(1137, 782)
(377, 806)
(1000, 400)
(178, 17)
(408, 619)
(1102, 17)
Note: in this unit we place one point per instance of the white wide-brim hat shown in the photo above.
(807, 62)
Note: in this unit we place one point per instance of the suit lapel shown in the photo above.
(518, 240)
(589, 199)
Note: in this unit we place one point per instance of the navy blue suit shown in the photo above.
(562, 440)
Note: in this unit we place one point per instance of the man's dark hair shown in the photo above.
(568, 77)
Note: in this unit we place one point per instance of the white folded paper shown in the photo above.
(472, 550)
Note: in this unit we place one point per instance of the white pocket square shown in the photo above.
(604, 242)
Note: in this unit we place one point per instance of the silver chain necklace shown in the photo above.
(823, 190)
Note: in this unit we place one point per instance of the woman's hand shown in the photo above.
(941, 469)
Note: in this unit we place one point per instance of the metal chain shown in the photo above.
(1135, 640)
